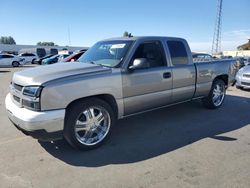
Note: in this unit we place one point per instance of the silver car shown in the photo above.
(243, 78)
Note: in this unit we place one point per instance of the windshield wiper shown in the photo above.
(92, 62)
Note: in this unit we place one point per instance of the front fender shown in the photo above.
(58, 95)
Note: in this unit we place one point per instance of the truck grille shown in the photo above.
(245, 83)
(246, 75)
(18, 87)
(16, 92)
(17, 99)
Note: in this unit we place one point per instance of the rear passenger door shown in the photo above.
(183, 69)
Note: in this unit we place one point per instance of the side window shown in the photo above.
(178, 53)
(7, 56)
(153, 52)
(29, 55)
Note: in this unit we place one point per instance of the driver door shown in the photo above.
(150, 87)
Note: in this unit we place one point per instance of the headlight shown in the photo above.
(32, 91)
(31, 97)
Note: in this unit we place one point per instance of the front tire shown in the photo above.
(15, 64)
(216, 95)
(88, 123)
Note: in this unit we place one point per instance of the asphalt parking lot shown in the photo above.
(180, 146)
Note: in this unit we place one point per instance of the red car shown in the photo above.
(74, 57)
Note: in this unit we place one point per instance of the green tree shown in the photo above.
(46, 44)
(127, 34)
(245, 46)
(7, 40)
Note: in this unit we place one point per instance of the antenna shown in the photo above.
(216, 45)
(69, 36)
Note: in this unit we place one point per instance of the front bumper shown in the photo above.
(46, 125)
(243, 82)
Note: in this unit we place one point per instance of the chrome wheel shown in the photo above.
(92, 125)
(218, 94)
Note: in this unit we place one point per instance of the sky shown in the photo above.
(88, 21)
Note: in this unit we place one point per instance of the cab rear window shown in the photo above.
(178, 52)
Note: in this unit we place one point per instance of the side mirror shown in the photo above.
(140, 63)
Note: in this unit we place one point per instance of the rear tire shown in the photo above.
(88, 123)
(15, 64)
(216, 95)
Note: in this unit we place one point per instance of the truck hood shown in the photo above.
(46, 73)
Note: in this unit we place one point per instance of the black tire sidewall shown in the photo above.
(208, 101)
(72, 114)
(15, 64)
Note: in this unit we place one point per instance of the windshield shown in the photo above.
(106, 53)
(54, 56)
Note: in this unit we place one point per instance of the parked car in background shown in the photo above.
(202, 57)
(227, 57)
(246, 60)
(240, 61)
(114, 79)
(7, 60)
(243, 78)
(54, 59)
(53, 51)
(39, 60)
(40, 52)
(73, 57)
(28, 57)
(9, 52)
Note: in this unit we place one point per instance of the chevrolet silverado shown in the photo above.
(114, 79)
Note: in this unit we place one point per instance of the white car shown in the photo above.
(246, 60)
(243, 78)
(28, 57)
(7, 60)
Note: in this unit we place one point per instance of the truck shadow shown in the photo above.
(155, 133)
(4, 71)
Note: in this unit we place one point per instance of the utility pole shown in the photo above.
(216, 46)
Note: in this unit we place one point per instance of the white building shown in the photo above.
(241, 53)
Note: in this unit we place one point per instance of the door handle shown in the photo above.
(167, 75)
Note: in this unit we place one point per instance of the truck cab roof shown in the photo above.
(144, 38)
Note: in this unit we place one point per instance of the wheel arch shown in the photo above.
(108, 98)
(223, 77)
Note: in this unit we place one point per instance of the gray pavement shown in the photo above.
(180, 146)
